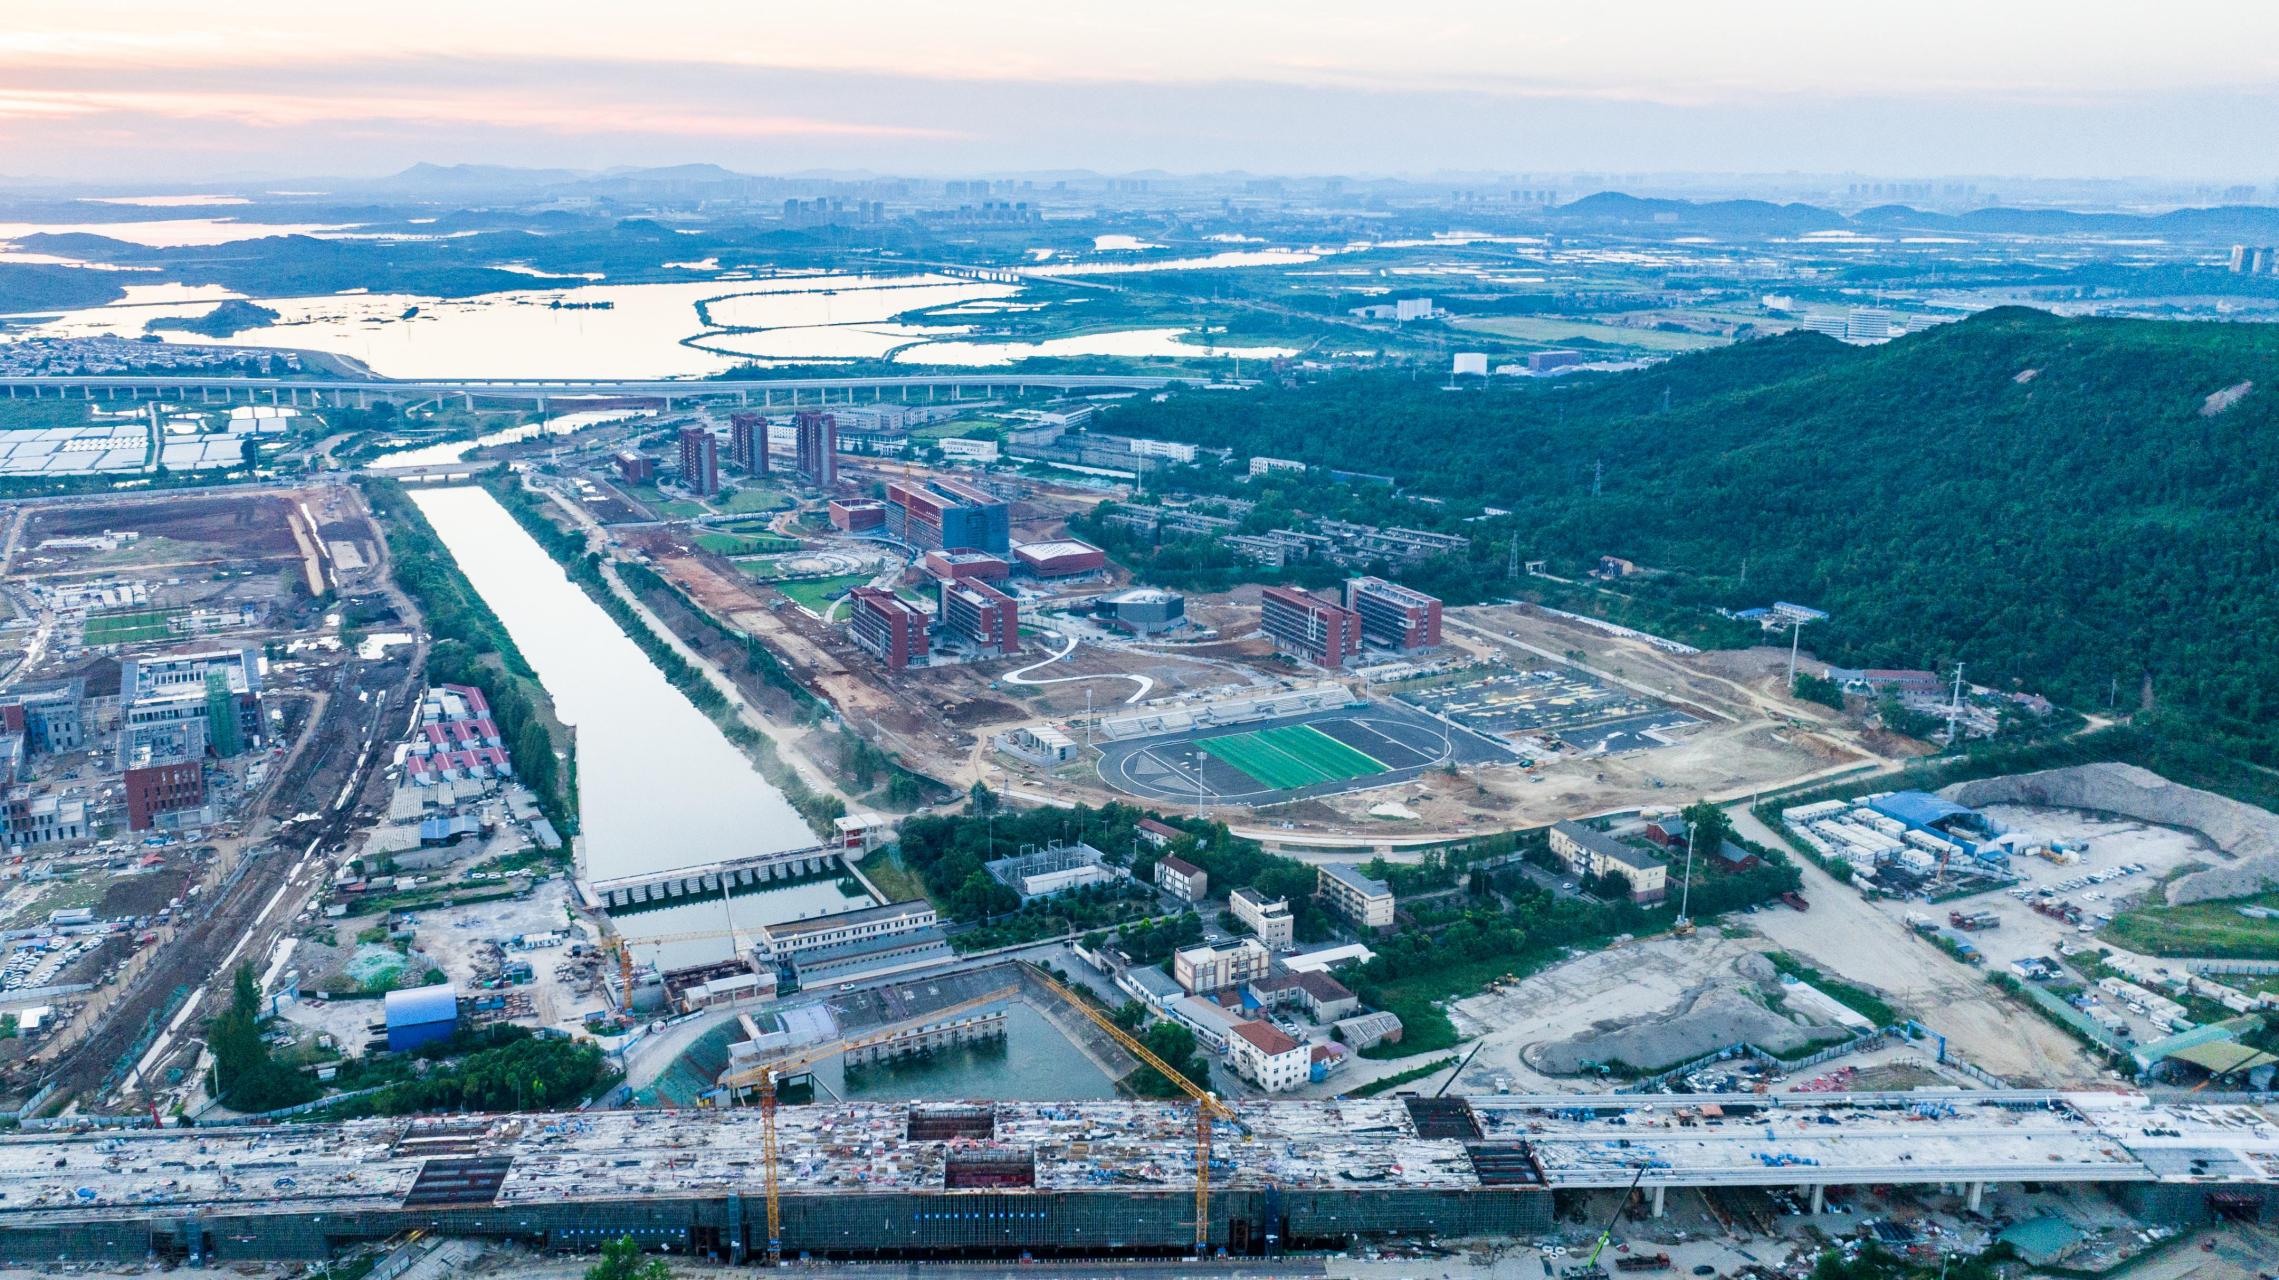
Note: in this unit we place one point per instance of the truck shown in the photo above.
(1796, 900)
(1643, 1262)
(1974, 920)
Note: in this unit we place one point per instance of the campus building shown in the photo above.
(1182, 879)
(1394, 616)
(857, 515)
(634, 468)
(948, 514)
(1061, 558)
(890, 627)
(982, 616)
(700, 462)
(748, 443)
(1267, 1058)
(50, 715)
(1304, 624)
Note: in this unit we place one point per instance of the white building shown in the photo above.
(1270, 919)
(791, 937)
(969, 449)
(1364, 901)
(1171, 449)
(1201, 969)
(1182, 879)
(1261, 466)
(1267, 1058)
(1473, 362)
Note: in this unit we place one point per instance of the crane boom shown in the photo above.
(764, 1077)
(1207, 1107)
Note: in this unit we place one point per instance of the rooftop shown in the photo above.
(1607, 846)
(1352, 878)
(847, 1149)
(1266, 1038)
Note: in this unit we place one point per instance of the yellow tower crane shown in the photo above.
(763, 1078)
(1207, 1107)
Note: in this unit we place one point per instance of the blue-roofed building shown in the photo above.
(1925, 812)
(422, 1015)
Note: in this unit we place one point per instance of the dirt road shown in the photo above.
(1843, 935)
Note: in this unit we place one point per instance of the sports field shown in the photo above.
(1291, 755)
(128, 626)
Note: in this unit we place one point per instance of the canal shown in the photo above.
(659, 787)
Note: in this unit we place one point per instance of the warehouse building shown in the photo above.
(1310, 627)
(1394, 616)
(838, 929)
(422, 1015)
(979, 615)
(891, 628)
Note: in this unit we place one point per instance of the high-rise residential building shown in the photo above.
(887, 625)
(748, 443)
(982, 616)
(1325, 634)
(1393, 615)
(817, 456)
(700, 462)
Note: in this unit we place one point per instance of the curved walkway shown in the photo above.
(1146, 683)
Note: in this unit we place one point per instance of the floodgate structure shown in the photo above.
(890, 1180)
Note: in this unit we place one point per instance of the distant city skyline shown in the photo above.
(139, 89)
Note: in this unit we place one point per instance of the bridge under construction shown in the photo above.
(930, 1180)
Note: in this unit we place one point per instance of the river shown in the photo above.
(659, 787)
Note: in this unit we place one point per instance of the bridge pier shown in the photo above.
(1659, 1194)
(1972, 1194)
(1819, 1198)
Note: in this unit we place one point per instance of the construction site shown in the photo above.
(1005, 1180)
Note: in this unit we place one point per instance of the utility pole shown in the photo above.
(1795, 638)
(1088, 716)
(1511, 559)
(1598, 476)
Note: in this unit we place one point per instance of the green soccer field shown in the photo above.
(132, 626)
(1291, 755)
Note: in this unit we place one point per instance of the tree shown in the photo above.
(1611, 884)
(1710, 827)
(981, 800)
(621, 1259)
(249, 453)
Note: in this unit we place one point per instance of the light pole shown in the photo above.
(1685, 892)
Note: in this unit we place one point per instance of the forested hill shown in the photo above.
(2055, 502)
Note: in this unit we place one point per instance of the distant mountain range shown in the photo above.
(1760, 217)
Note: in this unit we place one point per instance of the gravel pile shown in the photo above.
(2244, 832)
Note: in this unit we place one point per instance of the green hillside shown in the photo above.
(2051, 501)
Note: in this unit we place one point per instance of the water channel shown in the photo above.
(658, 786)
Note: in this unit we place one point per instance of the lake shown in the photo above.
(658, 786)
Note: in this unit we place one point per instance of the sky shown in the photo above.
(116, 90)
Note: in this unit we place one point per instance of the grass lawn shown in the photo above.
(128, 626)
(1424, 1027)
(743, 544)
(751, 498)
(2198, 929)
(1551, 331)
(1291, 756)
(958, 430)
(898, 882)
(818, 593)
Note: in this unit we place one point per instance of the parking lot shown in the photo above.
(1549, 707)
